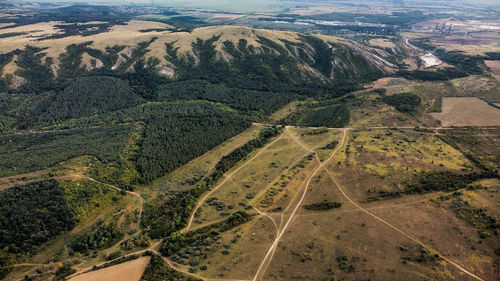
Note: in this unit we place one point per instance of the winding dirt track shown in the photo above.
(127, 191)
(292, 215)
(427, 247)
(228, 177)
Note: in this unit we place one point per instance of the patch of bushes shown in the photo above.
(100, 236)
(405, 102)
(444, 181)
(203, 236)
(157, 270)
(485, 224)
(327, 205)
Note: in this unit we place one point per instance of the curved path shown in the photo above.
(430, 249)
(292, 215)
(228, 177)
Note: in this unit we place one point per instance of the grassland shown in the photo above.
(465, 111)
(494, 65)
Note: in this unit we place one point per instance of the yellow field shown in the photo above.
(127, 271)
(380, 42)
(466, 111)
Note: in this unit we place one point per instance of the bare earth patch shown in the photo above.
(127, 271)
(430, 60)
(467, 111)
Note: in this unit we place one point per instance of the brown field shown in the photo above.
(360, 241)
(127, 271)
(384, 43)
(465, 111)
(378, 240)
(474, 39)
(494, 65)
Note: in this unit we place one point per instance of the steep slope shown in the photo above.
(286, 56)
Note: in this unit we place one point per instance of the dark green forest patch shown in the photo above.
(83, 97)
(336, 116)
(327, 205)
(175, 133)
(31, 152)
(32, 214)
(405, 102)
(240, 99)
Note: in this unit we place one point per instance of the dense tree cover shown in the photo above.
(23, 153)
(327, 205)
(273, 68)
(443, 74)
(241, 99)
(336, 116)
(71, 60)
(38, 75)
(101, 236)
(178, 132)
(163, 216)
(444, 181)
(32, 214)
(83, 97)
(158, 270)
(404, 102)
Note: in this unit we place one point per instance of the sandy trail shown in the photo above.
(228, 177)
(267, 259)
(427, 247)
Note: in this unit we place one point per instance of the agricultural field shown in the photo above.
(127, 271)
(465, 111)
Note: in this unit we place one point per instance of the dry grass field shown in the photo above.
(465, 111)
(381, 42)
(127, 271)
(250, 180)
(494, 65)
(407, 238)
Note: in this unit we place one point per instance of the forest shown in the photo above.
(240, 99)
(335, 116)
(176, 133)
(82, 97)
(24, 153)
(32, 214)
(404, 102)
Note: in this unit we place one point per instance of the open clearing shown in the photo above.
(467, 111)
(127, 271)
(494, 65)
